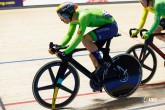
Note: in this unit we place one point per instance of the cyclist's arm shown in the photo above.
(159, 10)
(155, 24)
(67, 38)
(143, 18)
(78, 38)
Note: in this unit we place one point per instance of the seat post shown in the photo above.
(108, 44)
(106, 51)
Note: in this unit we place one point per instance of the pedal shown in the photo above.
(96, 87)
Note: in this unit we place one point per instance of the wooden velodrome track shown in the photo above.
(24, 38)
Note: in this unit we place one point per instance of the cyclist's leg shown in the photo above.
(93, 49)
(99, 35)
(94, 61)
(161, 27)
(99, 45)
(104, 33)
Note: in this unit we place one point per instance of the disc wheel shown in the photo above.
(123, 76)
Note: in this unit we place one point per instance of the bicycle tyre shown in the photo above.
(41, 71)
(123, 76)
(134, 51)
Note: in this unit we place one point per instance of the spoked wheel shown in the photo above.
(123, 76)
(147, 59)
(53, 92)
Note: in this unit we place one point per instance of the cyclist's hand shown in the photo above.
(145, 36)
(134, 35)
(51, 51)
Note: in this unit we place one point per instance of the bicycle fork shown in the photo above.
(143, 54)
(58, 82)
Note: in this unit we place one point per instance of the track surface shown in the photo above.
(25, 35)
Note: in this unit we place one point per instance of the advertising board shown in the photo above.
(11, 3)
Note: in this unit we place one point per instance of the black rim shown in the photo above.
(73, 92)
(142, 57)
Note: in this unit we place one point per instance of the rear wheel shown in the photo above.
(46, 85)
(123, 76)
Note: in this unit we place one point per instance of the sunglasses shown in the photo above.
(65, 16)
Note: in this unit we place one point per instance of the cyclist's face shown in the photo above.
(65, 20)
(144, 3)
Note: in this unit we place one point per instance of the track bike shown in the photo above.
(56, 83)
(145, 54)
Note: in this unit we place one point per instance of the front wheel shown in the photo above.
(147, 59)
(123, 76)
(53, 92)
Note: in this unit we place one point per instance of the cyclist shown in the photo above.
(156, 7)
(106, 29)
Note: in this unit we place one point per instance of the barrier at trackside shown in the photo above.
(22, 3)
(48, 2)
(11, 3)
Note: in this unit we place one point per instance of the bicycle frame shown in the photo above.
(80, 67)
(151, 44)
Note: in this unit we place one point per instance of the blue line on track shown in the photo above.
(39, 59)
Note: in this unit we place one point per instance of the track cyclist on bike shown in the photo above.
(158, 8)
(95, 17)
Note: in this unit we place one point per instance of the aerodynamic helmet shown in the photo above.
(67, 9)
